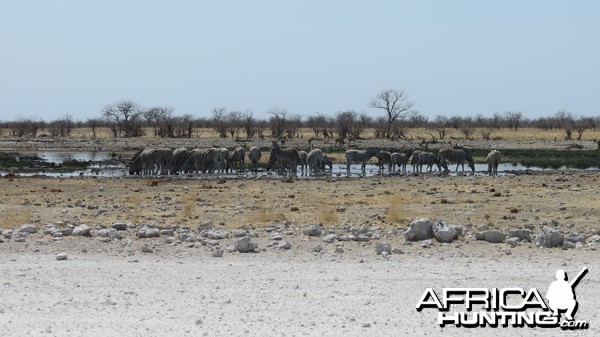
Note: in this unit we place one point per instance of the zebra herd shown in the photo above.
(164, 161)
(418, 158)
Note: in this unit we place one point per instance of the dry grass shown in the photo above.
(522, 134)
(532, 199)
(13, 216)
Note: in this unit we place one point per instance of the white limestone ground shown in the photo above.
(271, 293)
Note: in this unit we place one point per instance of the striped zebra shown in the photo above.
(458, 156)
(400, 159)
(414, 160)
(493, 159)
(220, 158)
(360, 156)
(254, 155)
(179, 159)
(315, 160)
(135, 166)
(155, 161)
(282, 164)
(236, 157)
(287, 157)
(428, 158)
(201, 160)
(385, 157)
(326, 162)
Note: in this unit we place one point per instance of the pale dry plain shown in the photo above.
(112, 287)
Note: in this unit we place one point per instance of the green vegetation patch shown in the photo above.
(546, 158)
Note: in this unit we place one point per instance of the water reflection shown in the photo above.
(60, 157)
(103, 164)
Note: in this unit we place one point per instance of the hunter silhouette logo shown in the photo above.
(508, 306)
(561, 294)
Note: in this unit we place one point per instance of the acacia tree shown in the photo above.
(395, 104)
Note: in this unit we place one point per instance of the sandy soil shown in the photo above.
(273, 293)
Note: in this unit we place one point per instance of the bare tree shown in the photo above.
(278, 122)
(125, 118)
(395, 104)
(514, 119)
(344, 123)
(249, 124)
(439, 123)
(93, 124)
(24, 127)
(62, 127)
(161, 119)
(497, 120)
(293, 126)
(219, 121)
(234, 123)
(317, 123)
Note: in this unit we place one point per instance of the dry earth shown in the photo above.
(109, 286)
(172, 285)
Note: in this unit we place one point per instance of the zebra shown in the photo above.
(428, 158)
(220, 159)
(156, 158)
(456, 155)
(385, 157)
(287, 157)
(303, 162)
(179, 159)
(201, 160)
(357, 156)
(254, 155)
(493, 159)
(315, 160)
(326, 162)
(135, 167)
(236, 157)
(400, 159)
(414, 160)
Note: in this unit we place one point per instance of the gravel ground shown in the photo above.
(271, 293)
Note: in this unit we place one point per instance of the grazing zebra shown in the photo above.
(400, 159)
(385, 157)
(459, 156)
(414, 160)
(135, 167)
(159, 159)
(493, 159)
(236, 157)
(254, 156)
(360, 156)
(179, 159)
(326, 162)
(287, 157)
(315, 160)
(428, 158)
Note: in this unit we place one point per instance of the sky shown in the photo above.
(450, 57)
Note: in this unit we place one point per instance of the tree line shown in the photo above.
(128, 119)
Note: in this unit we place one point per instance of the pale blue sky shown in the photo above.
(451, 57)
